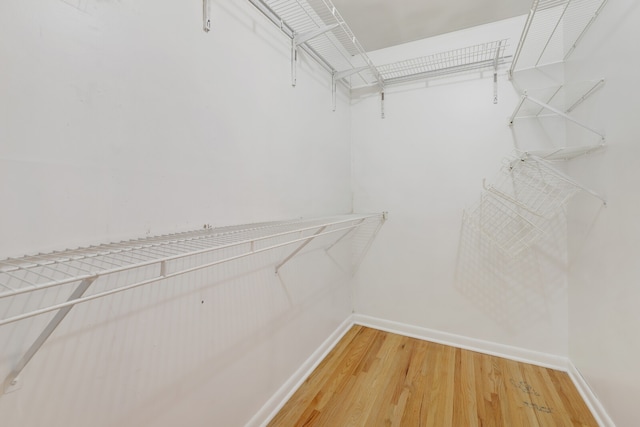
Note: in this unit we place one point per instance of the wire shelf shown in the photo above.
(480, 56)
(535, 187)
(565, 98)
(502, 224)
(516, 209)
(337, 48)
(553, 30)
(160, 257)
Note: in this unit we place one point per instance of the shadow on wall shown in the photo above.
(512, 254)
(513, 290)
(151, 354)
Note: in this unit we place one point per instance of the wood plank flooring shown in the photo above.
(375, 378)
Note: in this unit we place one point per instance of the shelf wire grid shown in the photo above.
(338, 48)
(469, 58)
(534, 186)
(502, 223)
(553, 29)
(516, 209)
(160, 257)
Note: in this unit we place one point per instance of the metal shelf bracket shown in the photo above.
(554, 110)
(11, 379)
(206, 15)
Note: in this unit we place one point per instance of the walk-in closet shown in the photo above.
(319, 212)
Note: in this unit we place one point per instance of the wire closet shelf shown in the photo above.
(316, 27)
(470, 58)
(513, 212)
(162, 257)
(553, 30)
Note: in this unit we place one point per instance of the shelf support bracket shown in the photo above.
(382, 104)
(585, 96)
(11, 379)
(206, 15)
(294, 61)
(344, 235)
(338, 75)
(385, 216)
(565, 115)
(299, 248)
(496, 61)
(309, 35)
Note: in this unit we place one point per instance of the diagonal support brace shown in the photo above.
(565, 115)
(309, 35)
(10, 380)
(305, 243)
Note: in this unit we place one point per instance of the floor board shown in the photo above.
(375, 378)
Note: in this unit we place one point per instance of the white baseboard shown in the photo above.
(598, 411)
(514, 353)
(284, 393)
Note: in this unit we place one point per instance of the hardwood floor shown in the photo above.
(375, 378)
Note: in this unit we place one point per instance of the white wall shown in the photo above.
(123, 118)
(424, 163)
(604, 343)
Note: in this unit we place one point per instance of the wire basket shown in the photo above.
(534, 186)
(503, 224)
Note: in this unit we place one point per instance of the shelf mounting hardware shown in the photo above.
(299, 248)
(554, 110)
(11, 379)
(206, 14)
(496, 62)
(300, 39)
(339, 75)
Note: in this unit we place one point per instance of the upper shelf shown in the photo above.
(480, 56)
(553, 30)
(317, 28)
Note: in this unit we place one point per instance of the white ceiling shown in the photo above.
(383, 23)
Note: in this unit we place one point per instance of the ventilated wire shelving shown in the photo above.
(560, 101)
(316, 27)
(514, 210)
(481, 56)
(553, 30)
(156, 259)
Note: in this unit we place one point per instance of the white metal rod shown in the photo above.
(549, 100)
(368, 245)
(299, 248)
(585, 96)
(566, 116)
(294, 61)
(495, 73)
(46, 333)
(515, 112)
(525, 32)
(206, 14)
(305, 37)
(346, 73)
(544, 49)
(333, 91)
(155, 279)
(343, 236)
(175, 257)
(584, 30)
(567, 178)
